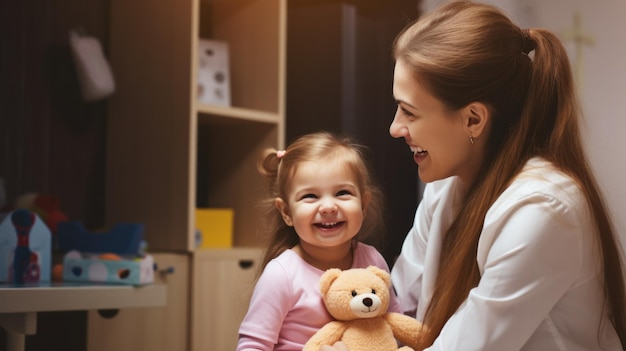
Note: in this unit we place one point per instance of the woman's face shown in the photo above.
(437, 137)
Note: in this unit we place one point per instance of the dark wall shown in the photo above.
(51, 142)
(339, 78)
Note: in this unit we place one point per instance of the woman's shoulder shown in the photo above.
(541, 181)
(542, 176)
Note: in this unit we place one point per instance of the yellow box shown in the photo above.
(215, 226)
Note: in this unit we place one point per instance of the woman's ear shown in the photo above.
(284, 210)
(476, 119)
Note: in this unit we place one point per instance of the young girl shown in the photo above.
(322, 205)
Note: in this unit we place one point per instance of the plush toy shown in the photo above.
(358, 299)
(47, 206)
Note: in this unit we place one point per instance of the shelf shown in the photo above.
(66, 296)
(209, 113)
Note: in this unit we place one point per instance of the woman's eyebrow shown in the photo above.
(399, 101)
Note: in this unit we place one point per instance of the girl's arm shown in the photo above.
(268, 307)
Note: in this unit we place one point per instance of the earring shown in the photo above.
(471, 139)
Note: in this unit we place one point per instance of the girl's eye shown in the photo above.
(343, 192)
(309, 196)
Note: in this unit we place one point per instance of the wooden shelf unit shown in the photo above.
(155, 122)
(168, 154)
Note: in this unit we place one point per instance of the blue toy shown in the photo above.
(25, 252)
(23, 221)
(122, 239)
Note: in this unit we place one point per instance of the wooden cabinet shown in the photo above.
(226, 294)
(168, 154)
(159, 328)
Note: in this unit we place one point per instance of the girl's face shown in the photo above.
(437, 137)
(324, 204)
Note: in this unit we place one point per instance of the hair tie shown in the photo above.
(528, 44)
(280, 154)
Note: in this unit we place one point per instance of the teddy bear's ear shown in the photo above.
(382, 274)
(328, 278)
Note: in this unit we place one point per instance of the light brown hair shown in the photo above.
(466, 52)
(319, 146)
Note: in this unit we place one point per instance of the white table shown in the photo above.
(19, 304)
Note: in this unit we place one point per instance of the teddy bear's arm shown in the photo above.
(329, 334)
(406, 329)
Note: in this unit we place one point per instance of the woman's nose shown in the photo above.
(397, 129)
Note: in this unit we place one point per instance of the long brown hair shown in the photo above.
(280, 166)
(465, 52)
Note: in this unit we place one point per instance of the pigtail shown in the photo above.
(279, 236)
(267, 165)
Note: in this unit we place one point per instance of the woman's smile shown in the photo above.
(419, 154)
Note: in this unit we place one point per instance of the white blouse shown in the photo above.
(539, 260)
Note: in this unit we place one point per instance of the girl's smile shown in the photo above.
(324, 205)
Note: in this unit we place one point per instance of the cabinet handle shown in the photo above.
(108, 313)
(246, 264)
(167, 270)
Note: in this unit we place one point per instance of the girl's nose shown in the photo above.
(328, 206)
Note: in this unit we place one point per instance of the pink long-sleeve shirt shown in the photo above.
(286, 307)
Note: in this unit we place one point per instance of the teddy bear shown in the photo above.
(358, 299)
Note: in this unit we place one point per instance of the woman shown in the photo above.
(512, 246)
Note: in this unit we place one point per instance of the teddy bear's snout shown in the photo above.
(366, 305)
(368, 302)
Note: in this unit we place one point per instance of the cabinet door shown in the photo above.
(160, 328)
(223, 281)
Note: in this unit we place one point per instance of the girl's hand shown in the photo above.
(339, 346)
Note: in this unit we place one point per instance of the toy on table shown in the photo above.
(25, 248)
(114, 256)
(358, 299)
(108, 268)
(121, 239)
(46, 206)
(24, 268)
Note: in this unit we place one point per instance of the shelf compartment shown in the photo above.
(253, 31)
(227, 175)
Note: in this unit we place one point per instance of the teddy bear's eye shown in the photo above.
(373, 291)
(354, 293)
